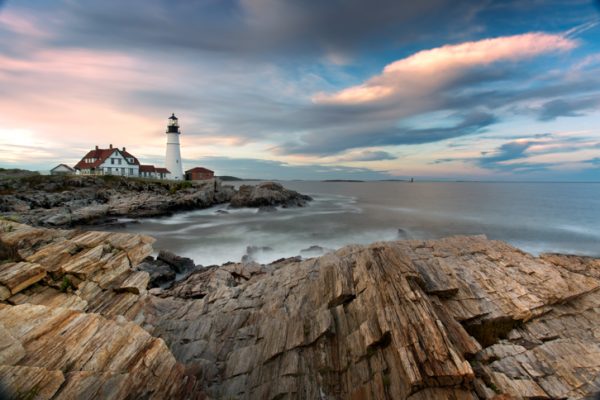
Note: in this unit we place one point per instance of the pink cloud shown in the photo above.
(424, 72)
(21, 24)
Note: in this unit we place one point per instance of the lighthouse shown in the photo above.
(173, 158)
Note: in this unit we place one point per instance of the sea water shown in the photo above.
(535, 217)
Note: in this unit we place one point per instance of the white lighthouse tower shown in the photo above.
(173, 159)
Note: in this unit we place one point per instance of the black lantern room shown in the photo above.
(173, 126)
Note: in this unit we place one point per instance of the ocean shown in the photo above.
(535, 217)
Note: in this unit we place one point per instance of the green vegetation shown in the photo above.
(180, 185)
(110, 178)
(66, 285)
(493, 386)
(9, 218)
(8, 228)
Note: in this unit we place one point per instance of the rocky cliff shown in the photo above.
(457, 318)
(68, 201)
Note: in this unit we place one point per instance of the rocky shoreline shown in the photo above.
(70, 201)
(455, 318)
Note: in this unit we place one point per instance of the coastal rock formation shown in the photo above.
(70, 319)
(455, 318)
(68, 201)
(268, 194)
(462, 317)
(57, 201)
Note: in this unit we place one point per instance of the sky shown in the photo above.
(308, 89)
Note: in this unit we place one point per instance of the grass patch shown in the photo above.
(66, 284)
(180, 186)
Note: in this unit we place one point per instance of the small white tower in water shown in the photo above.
(173, 159)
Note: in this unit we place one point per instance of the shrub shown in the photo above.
(66, 285)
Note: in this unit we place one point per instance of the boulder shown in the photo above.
(313, 251)
(268, 194)
(177, 263)
(160, 273)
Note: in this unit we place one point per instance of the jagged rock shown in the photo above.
(391, 320)
(455, 318)
(268, 194)
(136, 283)
(403, 234)
(253, 251)
(583, 265)
(11, 350)
(94, 356)
(29, 382)
(313, 251)
(160, 272)
(15, 277)
(178, 263)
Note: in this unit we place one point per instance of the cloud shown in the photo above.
(536, 153)
(502, 158)
(567, 107)
(377, 133)
(452, 79)
(247, 27)
(507, 152)
(369, 155)
(284, 78)
(269, 169)
(428, 71)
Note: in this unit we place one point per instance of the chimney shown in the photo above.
(123, 148)
(96, 147)
(110, 146)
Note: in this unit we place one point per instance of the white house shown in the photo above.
(114, 161)
(111, 161)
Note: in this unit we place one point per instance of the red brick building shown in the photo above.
(199, 174)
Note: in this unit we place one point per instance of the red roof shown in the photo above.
(162, 171)
(100, 155)
(147, 168)
(199, 169)
(129, 155)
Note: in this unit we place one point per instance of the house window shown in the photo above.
(112, 160)
(130, 171)
(119, 161)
